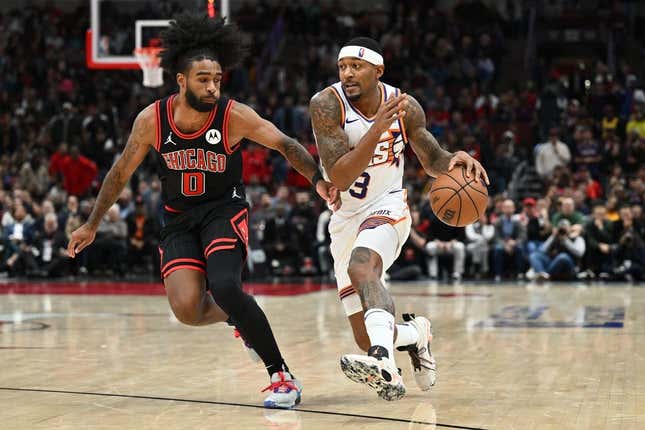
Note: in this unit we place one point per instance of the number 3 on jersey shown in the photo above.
(192, 183)
(359, 189)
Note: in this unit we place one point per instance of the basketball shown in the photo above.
(458, 200)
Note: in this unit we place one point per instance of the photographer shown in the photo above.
(557, 257)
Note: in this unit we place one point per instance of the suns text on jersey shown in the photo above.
(389, 149)
(195, 158)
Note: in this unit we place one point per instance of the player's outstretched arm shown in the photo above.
(246, 123)
(434, 159)
(141, 139)
(342, 165)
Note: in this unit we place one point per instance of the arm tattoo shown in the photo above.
(371, 290)
(299, 158)
(325, 118)
(432, 156)
(118, 175)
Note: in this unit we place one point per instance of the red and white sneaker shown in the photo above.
(377, 373)
(249, 349)
(285, 391)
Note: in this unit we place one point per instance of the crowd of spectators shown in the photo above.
(61, 127)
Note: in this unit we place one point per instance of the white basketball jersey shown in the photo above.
(384, 174)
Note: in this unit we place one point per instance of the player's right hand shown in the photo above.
(81, 238)
(391, 110)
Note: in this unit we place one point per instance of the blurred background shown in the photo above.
(549, 95)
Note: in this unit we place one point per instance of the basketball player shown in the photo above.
(196, 135)
(361, 127)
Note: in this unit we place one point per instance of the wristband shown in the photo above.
(317, 177)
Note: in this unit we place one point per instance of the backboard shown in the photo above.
(116, 31)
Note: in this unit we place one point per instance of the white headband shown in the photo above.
(362, 53)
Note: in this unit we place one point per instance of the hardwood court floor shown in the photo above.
(509, 356)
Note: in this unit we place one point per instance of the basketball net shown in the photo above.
(148, 58)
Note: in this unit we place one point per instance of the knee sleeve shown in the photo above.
(224, 274)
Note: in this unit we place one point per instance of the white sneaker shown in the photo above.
(379, 374)
(249, 349)
(285, 391)
(531, 274)
(424, 366)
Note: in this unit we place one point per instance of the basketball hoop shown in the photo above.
(148, 58)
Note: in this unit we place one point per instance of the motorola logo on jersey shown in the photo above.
(213, 136)
(195, 159)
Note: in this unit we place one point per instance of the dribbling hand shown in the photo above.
(461, 158)
(81, 238)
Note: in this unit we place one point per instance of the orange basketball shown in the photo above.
(457, 200)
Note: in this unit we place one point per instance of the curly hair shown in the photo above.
(194, 37)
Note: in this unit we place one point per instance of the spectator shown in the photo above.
(260, 215)
(17, 237)
(568, 212)
(551, 154)
(599, 239)
(141, 232)
(256, 165)
(110, 247)
(558, 256)
(323, 241)
(444, 240)
(509, 234)
(47, 207)
(609, 123)
(629, 251)
(47, 256)
(289, 118)
(78, 173)
(536, 222)
(65, 126)
(278, 241)
(56, 161)
(412, 259)
(588, 152)
(70, 218)
(302, 220)
(636, 123)
(479, 236)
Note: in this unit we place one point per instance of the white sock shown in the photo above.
(405, 335)
(380, 328)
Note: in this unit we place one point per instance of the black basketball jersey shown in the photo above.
(198, 167)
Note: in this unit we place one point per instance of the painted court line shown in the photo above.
(244, 405)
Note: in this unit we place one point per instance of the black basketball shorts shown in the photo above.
(189, 238)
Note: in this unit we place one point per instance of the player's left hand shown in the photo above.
(330, 193)
(473, 166)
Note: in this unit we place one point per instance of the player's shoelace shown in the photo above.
(417, 361)
(281, 386)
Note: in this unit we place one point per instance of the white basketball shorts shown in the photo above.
(383, 227)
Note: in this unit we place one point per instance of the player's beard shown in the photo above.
(352, 98)
(195, 103)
